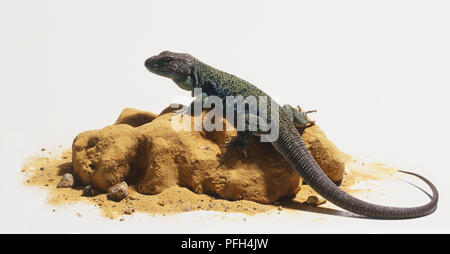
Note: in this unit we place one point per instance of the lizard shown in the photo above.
(190, 73)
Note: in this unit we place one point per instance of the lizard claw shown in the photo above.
(232, 146)
(182, 111)
(311, 111)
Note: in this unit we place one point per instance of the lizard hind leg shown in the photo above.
(299, 117)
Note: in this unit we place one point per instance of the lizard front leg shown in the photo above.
(240, 142)
(243, 137)
(197, 103)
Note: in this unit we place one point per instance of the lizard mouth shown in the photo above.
(151, 65)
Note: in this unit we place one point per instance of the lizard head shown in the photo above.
(177, 66)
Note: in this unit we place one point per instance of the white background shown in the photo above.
(376, 71)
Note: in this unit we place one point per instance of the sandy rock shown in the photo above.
(154, 156)
(66, 181)
(103, 158)
(135, 117)
(181, 158)
(118, 192)
(327, 155)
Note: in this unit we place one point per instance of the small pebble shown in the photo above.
(211, 205)
(122, 219)
(315, 200)
(129, 211)
(161, 203)
(89, 191)
(280, 208)
(43, 149)
(42, 168)
(66, 181)
(118, 192)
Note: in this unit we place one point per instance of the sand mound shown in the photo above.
(143, 149)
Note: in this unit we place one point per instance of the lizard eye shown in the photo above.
(168, 60)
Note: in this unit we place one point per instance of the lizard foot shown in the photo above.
(230, 147)
(240, 142)
(226, 153)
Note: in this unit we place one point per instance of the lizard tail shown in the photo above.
(292, 147)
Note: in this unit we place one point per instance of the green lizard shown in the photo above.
(190, 73)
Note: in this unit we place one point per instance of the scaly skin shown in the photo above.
(189, 73)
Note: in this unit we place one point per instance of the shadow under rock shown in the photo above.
(297, 205)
